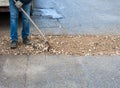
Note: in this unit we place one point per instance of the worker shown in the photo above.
(14, 15)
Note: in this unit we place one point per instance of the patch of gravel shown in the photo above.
(83, 45)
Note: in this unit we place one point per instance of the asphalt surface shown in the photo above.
(43, 71)
(81, 16)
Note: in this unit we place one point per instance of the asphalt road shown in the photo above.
(79, 16)
(82, 16)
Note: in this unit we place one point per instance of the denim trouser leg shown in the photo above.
(14, 14)
(13, 21)
(25, 22)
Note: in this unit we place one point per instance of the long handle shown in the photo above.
(33, 23)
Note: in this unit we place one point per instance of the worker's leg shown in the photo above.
(14, 12)
(25, 22)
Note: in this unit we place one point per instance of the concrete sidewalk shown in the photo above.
(43, 71)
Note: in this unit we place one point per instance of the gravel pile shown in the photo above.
(83, 45)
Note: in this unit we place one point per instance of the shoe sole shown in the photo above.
(13, 47)
(26, 43)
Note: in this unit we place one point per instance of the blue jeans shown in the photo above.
(14, 15)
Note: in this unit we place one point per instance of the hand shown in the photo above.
(18, 4)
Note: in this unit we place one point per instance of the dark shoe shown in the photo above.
(26, 41)
(14, 44)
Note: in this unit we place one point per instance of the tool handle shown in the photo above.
(32, 22)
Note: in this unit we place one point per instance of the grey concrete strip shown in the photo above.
(102, 72)
(13, 71)
(58, 71)
(55, 72)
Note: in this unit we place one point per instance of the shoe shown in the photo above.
(26, 41)
(14, 44)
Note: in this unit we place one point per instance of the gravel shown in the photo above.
(83, 45)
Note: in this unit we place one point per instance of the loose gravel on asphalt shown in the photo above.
(83, 45)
